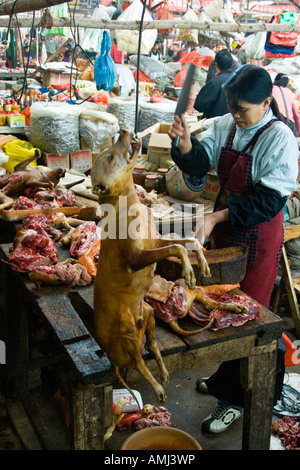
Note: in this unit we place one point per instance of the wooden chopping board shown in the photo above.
(83, 212)
(227, 266)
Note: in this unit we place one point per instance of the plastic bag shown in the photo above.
(205, 36)
(213, 9)
(128, 40)
(153, 69)
(163, 13)
(226, 15)
(189, 35)
(18, 151)
(255, 45)
(180, 77)
(91, 40)
(104, 67)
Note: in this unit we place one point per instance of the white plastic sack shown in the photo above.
(92, 37)
(54, 127)
(205, 35)
(255, 45)
(128, 40)
(96, 126)
(123, 108)
(125, 79)
(213, 10)
(226, 16)
(189, 35)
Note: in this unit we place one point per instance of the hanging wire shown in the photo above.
(138, 69)
(17, 95)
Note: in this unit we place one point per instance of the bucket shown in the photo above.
(161, 438)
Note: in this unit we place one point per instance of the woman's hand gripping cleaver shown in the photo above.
(184, 95)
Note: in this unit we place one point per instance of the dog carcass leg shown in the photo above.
(142, 258)
(211, 304)
(152, 346)
(191, 244)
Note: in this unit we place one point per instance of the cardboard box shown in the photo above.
(159, 145)
(56, 161)
(16, 120)
(81, 160)
(212, 187)
(5, 138)
(50, 77)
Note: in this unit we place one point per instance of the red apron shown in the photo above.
(264, 240)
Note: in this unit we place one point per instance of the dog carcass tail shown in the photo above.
(175, 327)
(122, 381)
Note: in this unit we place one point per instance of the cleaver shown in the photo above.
(184, 95)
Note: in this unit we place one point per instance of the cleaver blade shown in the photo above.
(184, 95)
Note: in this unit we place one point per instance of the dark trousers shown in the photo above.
(225, 385)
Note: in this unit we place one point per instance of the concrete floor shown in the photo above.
(187, 406)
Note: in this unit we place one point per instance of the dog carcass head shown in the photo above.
(112, 171)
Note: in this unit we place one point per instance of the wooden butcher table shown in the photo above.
(68, 316)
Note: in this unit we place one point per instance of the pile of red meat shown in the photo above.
(35, 251)
(148, 417)
(287, 430)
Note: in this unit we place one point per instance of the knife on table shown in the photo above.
(184, 95)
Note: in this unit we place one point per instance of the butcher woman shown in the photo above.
(256, 158)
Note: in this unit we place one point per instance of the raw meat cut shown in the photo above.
(86, 235)
(42, 222)
(174, 307)
(34, 252)
(287, 430)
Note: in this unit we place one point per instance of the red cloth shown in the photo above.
(116, 54)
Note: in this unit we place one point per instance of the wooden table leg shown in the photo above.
(90, 414)
(258, 374)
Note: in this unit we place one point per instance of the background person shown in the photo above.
(256, 159)
(211, 99)
(280, 86)
(211, 73)
(155, 51)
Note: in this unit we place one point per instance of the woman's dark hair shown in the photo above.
(252, 84)
(281, 79)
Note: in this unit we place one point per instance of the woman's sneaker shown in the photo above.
(201, 385)
(220, 419)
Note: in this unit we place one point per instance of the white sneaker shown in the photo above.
(220, 419)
